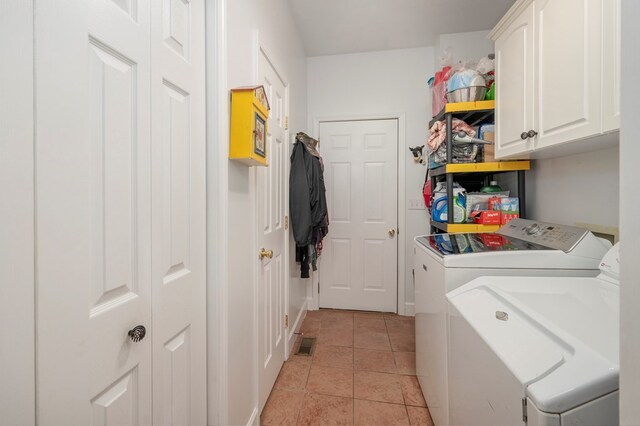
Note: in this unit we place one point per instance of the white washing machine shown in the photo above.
(444, 262)
(536, 351)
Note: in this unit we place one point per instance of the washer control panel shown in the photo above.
(559, 237)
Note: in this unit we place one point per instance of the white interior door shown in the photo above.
(359, 261)
(270, 187)
(93, 204)
(120, 212)
(179, 212)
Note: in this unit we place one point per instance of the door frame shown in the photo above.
(259, 48)
(314, 301)
(217, 136)
(17, 259)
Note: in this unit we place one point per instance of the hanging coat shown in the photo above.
(307, 200)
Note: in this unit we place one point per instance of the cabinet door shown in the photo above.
(514, 86)
(568, 71)
(610, 65)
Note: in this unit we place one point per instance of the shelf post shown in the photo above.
(449, 142)
(449, 197)
(522, 194)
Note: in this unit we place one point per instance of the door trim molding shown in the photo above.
(18, 314)
(217, 135)
(400, 116)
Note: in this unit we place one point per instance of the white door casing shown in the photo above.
(120, 211)
(270, 224)
(359, 262)
(93, 220)
(179, 211)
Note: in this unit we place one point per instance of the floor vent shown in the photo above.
(307, 346)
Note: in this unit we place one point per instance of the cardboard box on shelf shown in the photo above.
(489, 150)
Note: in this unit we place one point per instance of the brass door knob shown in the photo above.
(392, 232)
(266, 253)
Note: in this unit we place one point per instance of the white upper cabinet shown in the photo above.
(568, 72)
(611, 65)
(514, 63)
(557, 75)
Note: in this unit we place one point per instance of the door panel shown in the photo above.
(93, 212)
(358, 266)
(178, 188)
(515, 87)
(568, 70)
(270, 189)
(611, 65)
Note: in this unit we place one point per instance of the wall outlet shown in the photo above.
(415, 204)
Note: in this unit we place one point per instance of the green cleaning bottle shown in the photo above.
(493, 187)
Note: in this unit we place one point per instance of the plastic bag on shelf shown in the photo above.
(485, 65)
(439, 91)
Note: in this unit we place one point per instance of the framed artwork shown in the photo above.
(259, 136)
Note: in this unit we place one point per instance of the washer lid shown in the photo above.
(561, 337)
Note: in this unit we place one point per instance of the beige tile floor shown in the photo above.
(362, 372)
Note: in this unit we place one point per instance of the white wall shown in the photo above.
(17, 281)
(278, 34)
(375, 84)
(629, 222)
(464, 46)
(577, 188)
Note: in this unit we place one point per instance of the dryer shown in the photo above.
(444, 262)
(538, 351)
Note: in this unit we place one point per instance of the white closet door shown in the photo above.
(178, 212)
(359, 262)
(120, 211)
(93, 211)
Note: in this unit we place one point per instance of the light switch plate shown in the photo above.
(415, 204)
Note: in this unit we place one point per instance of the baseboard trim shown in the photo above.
(253, 420)
(409, 309)
(295, 327)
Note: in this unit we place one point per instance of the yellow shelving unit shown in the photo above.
(473, 113)
(493, 167)
(464, 227)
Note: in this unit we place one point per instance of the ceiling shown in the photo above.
(330, 27)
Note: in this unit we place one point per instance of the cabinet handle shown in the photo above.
(524, 135)
(532, 133)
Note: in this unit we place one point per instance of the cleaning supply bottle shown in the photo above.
(493, 187)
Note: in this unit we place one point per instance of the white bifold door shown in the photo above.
(359, 260)
(120, 212)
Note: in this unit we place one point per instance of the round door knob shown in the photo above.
(392, 232)
(266, 253)
(524, 135)
(137, 333)
(532, 133)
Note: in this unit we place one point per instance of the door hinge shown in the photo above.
(286, 321)
(318, 287)
(286, 122)
(524, 410)
(286, 223)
